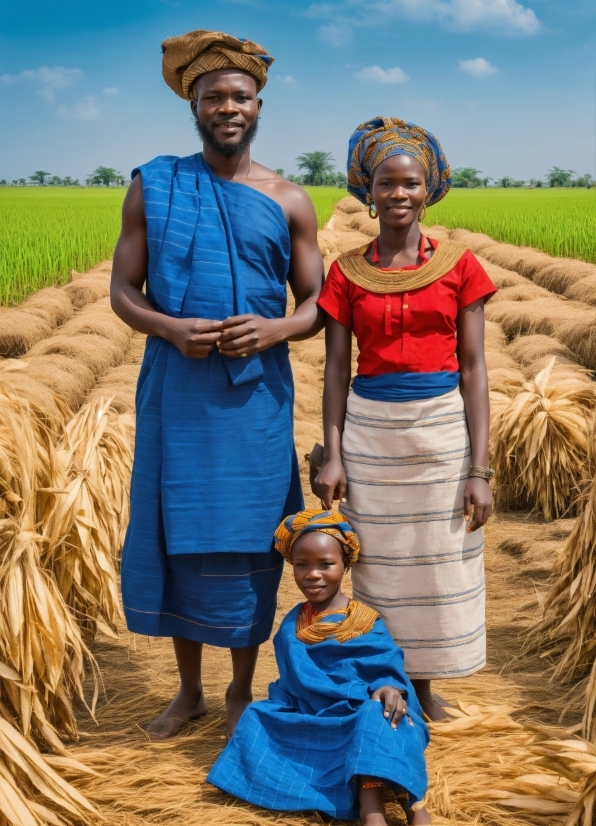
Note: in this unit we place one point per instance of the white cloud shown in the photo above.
(375, 74)
(479, 67)
(507, 16)
(287, 79)
(48, 80)
(336, 34)
(85, 109)
(111, 90)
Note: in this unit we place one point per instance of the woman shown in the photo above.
(406, 449)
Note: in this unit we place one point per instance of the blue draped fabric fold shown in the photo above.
(215, 467)
(301, 749)
(404, 387)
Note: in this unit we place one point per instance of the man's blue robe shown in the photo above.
(302, 748)
(215, 467)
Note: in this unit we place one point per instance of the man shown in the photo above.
(213, 237)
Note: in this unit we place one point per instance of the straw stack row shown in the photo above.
(64, 481)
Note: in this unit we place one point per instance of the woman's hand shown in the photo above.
(477, 495)
(395, 706)
(331, 482)
(244, 335)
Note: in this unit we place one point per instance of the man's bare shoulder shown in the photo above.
(292, 198)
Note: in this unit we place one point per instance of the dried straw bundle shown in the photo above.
(88, 288)
(500, 277)
(326, 241)
(520, 292)
(40, 642)
(584, 289)
(33, 320)
(48, 407)
(541, 315)
(87, 513)
(512, 773)
(32, 793)
(539, 440)
(362, 222)
(562, 273)
(524, 260)
(528, 349)
(475, 241)
(505, 380)
(119, 383)
(349, 205)
(93, 351)
(64, 376)
(568, 630)
(437, 232)
(578, 332)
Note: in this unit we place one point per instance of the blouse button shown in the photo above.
(388, 308)
(406, 306)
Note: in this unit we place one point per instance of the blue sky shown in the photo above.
(507, 87)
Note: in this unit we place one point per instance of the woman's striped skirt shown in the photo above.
(407, 465)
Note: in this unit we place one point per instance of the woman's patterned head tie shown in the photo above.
(329, 522)
(380, 138)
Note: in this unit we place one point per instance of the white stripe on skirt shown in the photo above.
(407, 465)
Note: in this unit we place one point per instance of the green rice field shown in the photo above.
(46, 232)
(559, 221)
(324, 199)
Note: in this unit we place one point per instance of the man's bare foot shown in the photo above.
(418, 818)
(183, 708)
(235, 705)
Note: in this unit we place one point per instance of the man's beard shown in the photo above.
(227, 150)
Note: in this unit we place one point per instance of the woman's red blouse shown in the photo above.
(409, 332)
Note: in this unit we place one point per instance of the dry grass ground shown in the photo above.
(486, 754)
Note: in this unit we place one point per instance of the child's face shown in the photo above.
(318, 566)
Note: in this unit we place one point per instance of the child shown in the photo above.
(343, 720)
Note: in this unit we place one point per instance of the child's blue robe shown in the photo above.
(303, 747)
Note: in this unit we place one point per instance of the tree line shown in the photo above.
(102, 176)
(468, 177)
(319, 170)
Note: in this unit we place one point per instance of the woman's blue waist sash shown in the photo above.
(404, 387)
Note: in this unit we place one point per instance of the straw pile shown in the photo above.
(539, 440)
(38, 315)
(567, 632)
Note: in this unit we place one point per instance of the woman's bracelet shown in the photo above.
(481, 472)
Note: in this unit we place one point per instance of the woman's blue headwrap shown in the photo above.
(378, 139)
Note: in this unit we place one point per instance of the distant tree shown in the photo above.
(341, 180)
(14, 183)
(39, 177)
(3, 182)
(22, 182)
(318, 165)
(506, 181)
(518, 184)
(466, 176)
(296, 179)
(559, 177)
(103, 176)
(67, 181)
(55, 180)
(280, 172)
(584, 180)
(485, 181)
(76, 182)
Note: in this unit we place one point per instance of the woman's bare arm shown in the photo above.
(331, 482)
(474, 390)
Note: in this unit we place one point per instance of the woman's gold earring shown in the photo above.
(372, 211)
(422, 213)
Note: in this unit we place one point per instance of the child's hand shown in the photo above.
(394, 703)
